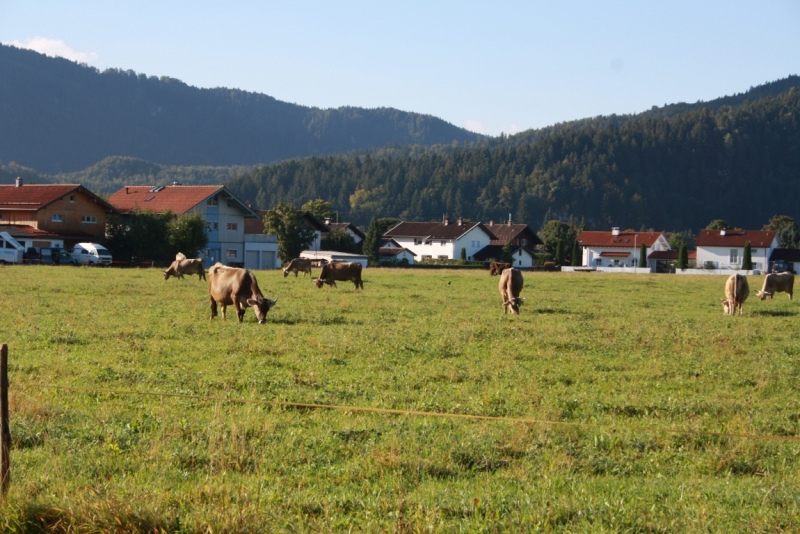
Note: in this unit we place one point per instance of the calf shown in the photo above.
(237, 287)
(340, 271)
(297, 265)
(777, 283)
(510, 287)
(736, 292)
(181, 267)
(497, 267)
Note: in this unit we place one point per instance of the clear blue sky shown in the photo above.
(488, 66)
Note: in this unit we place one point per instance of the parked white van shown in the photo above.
(11, 250)
(91, 254)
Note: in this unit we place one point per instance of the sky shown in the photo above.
(490, 67)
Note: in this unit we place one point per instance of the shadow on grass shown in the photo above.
(41, 518)
(775, 313)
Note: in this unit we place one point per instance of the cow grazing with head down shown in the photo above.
(333, 272)
(510, 287)
(238, 287)
(736, 292)
(181, 267)
(297, 265)
(776, 283)
(497, 267)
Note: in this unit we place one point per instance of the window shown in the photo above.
(56, 217)
(230, 253)
(429, 242)
(216, 226)
(520, 252)
(72, 198)
(424, 257)
(444, 242)
(417, 241)
(734, 256)
(89, 219)
(1, 216)
(213, 201)
(208, 226)
(442, 256)
(233, 226)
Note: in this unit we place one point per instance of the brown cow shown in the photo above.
(237, 287)
(297, 265)
(736, 292)
(510, 287)
(340, 271)
(497, 267)
(776, 283)
(181, 267)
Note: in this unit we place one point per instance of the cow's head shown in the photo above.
(166, 274)
(318, 282)
(514, 304)
(262, 307)
(286, 272)
(763, 294)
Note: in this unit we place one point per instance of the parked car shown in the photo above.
(56, 256)
(91, 254)
(32, 256)
(11, 251)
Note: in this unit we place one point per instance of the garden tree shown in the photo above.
(642, 256)
(554, 230)
(320, 209)
(676, 239)
(683, 257)
(294, 236)
(576, 260)
(786, 229)
(559, 251)
(187, 234)
(372, 242)
(340, 241)
(747, 257)
(506, 255)
(463, 254)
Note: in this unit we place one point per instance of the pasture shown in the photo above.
(628, 374)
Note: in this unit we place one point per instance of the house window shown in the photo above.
(208, 226)
(417, 241)
(89, 219)
(598, 261)
(429, 242)
(734, 256)
(230, 253)
(524, 241)
(56, 217)
(424, 257)
(72, 198)
(216, 226)
(442, 257)
(520, 252)
(444, 242)
(213, 201)
(1, 216)
(233, 226)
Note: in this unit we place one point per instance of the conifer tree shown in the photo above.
(683, 257)
(372, 242)
(747, 258)
(642, 256)
(575, 260)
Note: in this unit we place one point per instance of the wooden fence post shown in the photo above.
(5, 429)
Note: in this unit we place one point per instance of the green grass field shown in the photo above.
(630, 375)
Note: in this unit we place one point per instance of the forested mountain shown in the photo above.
(740, 163)
(58, 116)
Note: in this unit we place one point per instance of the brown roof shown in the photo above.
(175, 198)
(345, 225)
(734, 238)
(433, 230)
(33, 197)
(505, 233)
(623, 240)
(393, 251)
(255, 225)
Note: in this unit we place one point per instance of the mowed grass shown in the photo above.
(627, 374)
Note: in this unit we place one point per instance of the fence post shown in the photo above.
(5, 430)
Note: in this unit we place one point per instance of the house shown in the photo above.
(664, 261)
(321, 257)
(523, 257)
(442, 240)
(223, 212)
(391, 252)
(784, 259)
(70, 211)
(724, 249)
(319, 227)
(29, 236)
(351, 229)
(521, 237)
(619, 249)
(260, 249)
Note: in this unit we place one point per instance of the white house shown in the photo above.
(390, 251)
(442, 240)
(619, 249)
(523, 257)
(724, 249)
(331, 256)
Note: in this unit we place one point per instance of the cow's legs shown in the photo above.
(240, 308)
(224, 310)
(213, 308)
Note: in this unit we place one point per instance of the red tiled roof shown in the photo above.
(25, 230)
(671, 255)
(33, 197)
(176, 198)
(734, 238)
(623, 240)
(615, 254)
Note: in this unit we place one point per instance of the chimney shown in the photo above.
(722, 232)
(491, 223)
(18, 182)
(446, 221)
(509, 219)
(460, 221)
(126, 190)
(176, 183)
(615, 230)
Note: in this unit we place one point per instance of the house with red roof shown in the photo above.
(391, 252)
(223, 212)
(724, 249)
(442, 240)
(69, 211)
(620, 248)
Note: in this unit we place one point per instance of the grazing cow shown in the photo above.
(181, 267)
(776, 283)
(237, 287)
(497, 267)
(180, 256)
(340, 271)
(736, 292)
(297, 265)
(510, 287)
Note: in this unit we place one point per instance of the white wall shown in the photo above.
(721, 257)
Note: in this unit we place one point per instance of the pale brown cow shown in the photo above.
(736, 292)
(340, 271)
(181, 267)
(777, 283)
(237, 287)
(497, 267)
(510, 286)
(297, 265)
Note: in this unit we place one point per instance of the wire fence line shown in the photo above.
(416, 413)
